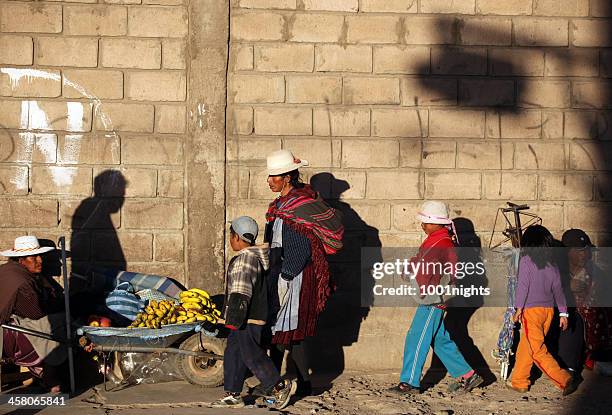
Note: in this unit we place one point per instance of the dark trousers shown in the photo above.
(244, 352)
(571, 343)
(298, 354)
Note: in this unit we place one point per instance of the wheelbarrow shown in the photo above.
(198, 353)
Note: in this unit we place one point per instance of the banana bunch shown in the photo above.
(156, 314)
(197, 304)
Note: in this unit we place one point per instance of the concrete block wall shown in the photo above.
(475, 102)
(93, 118)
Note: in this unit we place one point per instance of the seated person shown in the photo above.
(29, 300)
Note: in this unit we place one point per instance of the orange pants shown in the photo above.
(531, 349)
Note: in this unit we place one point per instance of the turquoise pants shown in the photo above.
(427, 329)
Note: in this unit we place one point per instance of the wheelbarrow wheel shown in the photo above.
(203, 371)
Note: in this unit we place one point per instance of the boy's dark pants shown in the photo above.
(244, 352)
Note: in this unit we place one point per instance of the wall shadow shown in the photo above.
(339, 324)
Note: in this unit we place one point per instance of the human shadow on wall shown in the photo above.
(348, 306)
(461, 309)
(94, 241)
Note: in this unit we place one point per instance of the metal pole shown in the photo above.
(145, 349)
(62, 243)
(34, 333)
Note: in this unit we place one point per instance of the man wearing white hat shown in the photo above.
(21, 304)
(427, 326)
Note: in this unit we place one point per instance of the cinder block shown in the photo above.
(590, 156)
(47, 84)
(316, 90)
(66, 51)
(170, 119)
(399, 122)
(411, 153)
(174, 53)
(572, 62)
(267, 4)
(600, 8)
(283, 121)
(438, 30)
(256, 150)
(486, 92)
(508, 7)
(566, 187)
(403, 219)
(539, 156)
(543, 94)
(383, 185)
(27, 147)
(355, 180)
(16, 50)
(131, 53)
(388, 6)
(456, 123)
(81, 83)
(89, 149)
(540, 32)
(587, 124)
(603, 186)
(315, 28)
(100, 20)
(166, 150)
(90, 214)
(169, 247)
(348, 58)
(418, 91)
(485, 31)
(373, 29)
(126, 117)
(459, 61)
(373, 215)
(341, 122)
(401, 59)
(14, 180)
(523, 124)
(257, 26)
(591, 95)
(241, 57)
(316, 151)
(438, 154)
(510, 186)
(170, 183)
(257, 88)
(516, 61)
(36, 213)
(153, 214)
(157, 21)
(139, 182)
(331, 5)
(552, 124)
(134, 246)
(590, 33)
(448, 6)
(156, 86)
(606, 63)
(56, 180)
(365, 154)
(371, 90)
(455, 185)
(590, 218)
(561, 8)
(241, 120)
(67, 116)
(485, 155)
(284, 58)
(29, 17)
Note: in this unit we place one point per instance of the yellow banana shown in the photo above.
(181, 318)
(192, 306)
(190, 314)
(200, 318)
(182, 313)
(200, 292)
(216, 313)
(190, 320)
(160, 313)
(187, 294)
(190, 300)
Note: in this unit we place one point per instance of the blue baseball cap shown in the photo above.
(246, 228)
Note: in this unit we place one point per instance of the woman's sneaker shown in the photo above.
(279, 399)
(466, 385)
(231, 400)
(404, 388)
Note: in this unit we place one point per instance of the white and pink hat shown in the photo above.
(26, 246)
(434, 211)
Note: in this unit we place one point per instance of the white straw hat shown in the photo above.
(434, 211)
(283, 161)
(26, 246)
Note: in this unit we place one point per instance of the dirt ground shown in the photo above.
(351, 393)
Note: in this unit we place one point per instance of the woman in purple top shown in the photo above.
(539, 289)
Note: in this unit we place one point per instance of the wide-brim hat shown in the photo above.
(26, 246)
(283, 161)
(434, 212)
